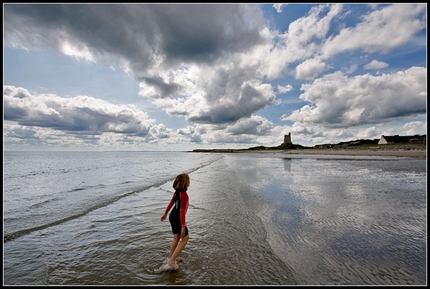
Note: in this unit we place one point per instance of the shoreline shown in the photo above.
(350, 152)
(395, 150)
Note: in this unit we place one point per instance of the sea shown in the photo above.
(93, 218)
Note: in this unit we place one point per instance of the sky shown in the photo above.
(179, 77)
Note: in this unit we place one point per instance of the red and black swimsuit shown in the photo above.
(179, 202)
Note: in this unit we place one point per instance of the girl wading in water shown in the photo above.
(179, 202)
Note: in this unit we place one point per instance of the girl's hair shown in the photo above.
(182, 182)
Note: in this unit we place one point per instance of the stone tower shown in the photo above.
(287, 138)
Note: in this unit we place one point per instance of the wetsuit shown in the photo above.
(179, 202)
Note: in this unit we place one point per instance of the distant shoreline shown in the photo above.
(357, 152)
(398, 151)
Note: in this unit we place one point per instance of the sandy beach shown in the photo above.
(366, 152)
(413, 151)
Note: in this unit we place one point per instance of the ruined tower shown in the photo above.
(287, 138)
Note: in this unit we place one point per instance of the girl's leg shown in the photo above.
(180, 246)
(174, 244)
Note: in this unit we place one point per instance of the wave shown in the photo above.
(13, 235)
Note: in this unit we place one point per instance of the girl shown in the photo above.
(179, 202)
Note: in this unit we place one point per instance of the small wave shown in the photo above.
(42, 203)
(78, 189)
(13, 235)
(87, 188)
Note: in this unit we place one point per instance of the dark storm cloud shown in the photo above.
(249, 100)
(151, 40)
(137, 33)
(163, 89)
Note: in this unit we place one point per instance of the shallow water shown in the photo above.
(253, 220)
(343, 221)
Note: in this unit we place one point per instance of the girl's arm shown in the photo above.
(183, 208)
(169, 206)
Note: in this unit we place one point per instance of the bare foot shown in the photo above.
(173, 264)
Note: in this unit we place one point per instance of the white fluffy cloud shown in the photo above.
(309, 69)
(341, 101)
(381, 30)
(80, 115)
(284, 88)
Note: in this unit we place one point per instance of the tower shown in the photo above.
(287, 138)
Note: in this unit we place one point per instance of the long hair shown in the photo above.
(182, 182)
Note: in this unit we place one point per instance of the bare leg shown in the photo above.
(174, 244)
(180, 246)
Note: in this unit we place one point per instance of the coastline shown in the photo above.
(417, 153)
(368, 152)
(409, 151)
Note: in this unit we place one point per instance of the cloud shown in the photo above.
(374, 64)
(309, 69)
(81, 114)
(301, 41)
(339, 101)
(284, 89)
(381, 30)
(213, 72)
(229, 94)
(144, 37)
(193, 133)
(212, 64)
(255, 125)
(415, 127)
(279, 7)
(158, 43)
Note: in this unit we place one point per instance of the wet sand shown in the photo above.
(359, 152)
(345, 220)
(396, 152)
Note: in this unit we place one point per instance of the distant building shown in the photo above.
(396, 139)
(287, 139)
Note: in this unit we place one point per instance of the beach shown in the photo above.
(358, 152)
(256, 218)
(413, 151)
